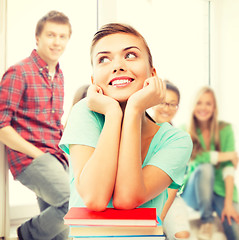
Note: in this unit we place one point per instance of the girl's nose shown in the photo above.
(118, 66)
(118, 70)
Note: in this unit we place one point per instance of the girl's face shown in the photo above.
(120, 65)
(205, 107)
(166, 112)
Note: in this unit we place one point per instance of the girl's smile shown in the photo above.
(121, 81)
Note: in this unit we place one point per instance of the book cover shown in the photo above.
(115, 231)
(111, 217)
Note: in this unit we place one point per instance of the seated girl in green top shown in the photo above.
(120, 157)
(209, 183)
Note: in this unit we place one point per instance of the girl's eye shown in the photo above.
(130, 55)
(104, 60)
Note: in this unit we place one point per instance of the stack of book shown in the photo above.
(139, 223)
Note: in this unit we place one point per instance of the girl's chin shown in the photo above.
(121, 99)
(203, 120)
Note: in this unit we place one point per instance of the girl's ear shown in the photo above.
(92, 79)
(154, 73)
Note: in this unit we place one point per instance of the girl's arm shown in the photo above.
(228, 156)
(95, 168)
(171, 196)
(215, 157)
(229, 211)
(134, 185)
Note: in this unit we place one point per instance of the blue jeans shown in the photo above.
(199, 195)
(49, 179)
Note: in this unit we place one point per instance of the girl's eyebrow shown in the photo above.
(103, 52)
(131, 47)
(125, 49)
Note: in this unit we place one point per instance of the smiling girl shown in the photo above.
(210, 179)
(120, 157)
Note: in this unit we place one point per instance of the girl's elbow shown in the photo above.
(95, 204)
(125, 203)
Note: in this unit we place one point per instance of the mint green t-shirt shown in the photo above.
(170, 150)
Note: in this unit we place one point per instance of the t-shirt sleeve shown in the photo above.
(83, 127)
(172, 155)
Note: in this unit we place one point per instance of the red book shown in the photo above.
(111, 217)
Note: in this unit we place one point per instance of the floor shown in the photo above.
(195, 224)
(13, 230)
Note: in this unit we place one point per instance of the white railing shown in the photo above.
(4, 190)
(4, 195)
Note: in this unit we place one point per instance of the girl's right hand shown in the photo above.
(98, 102)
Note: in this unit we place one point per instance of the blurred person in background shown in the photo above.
(209, 182)
(174, 216)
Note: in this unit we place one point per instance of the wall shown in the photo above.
(225, 60)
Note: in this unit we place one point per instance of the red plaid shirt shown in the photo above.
(32, 104)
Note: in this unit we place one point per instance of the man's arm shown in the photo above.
(10, 137)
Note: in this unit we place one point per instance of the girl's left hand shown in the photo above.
(152, 93)
(229, 212)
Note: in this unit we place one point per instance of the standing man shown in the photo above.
(31, 107)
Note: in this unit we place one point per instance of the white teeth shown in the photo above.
(118, 82)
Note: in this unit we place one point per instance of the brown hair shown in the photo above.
(213, 125)
(113, 28)
(170, 86)
(55, 17)
(80, 94)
